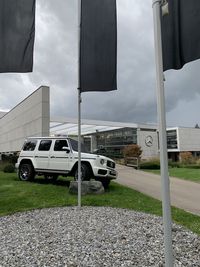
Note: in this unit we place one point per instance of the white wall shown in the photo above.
(31, 117)
(2, 113)
(189, 139)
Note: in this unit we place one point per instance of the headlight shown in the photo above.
(102, 161)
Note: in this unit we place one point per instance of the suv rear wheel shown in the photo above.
(26, 172)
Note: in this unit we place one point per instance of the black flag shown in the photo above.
(98, 45)
(181, 33)
(17, 31)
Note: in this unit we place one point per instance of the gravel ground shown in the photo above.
(91, 236)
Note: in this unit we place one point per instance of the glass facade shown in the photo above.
(114, 141)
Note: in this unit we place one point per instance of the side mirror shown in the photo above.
(65, 148)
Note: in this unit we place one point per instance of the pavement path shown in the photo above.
(184, 194)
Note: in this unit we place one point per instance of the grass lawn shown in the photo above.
(183, 173)
(16, 196)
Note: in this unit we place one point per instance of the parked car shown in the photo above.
(99, 151)
(54, 156)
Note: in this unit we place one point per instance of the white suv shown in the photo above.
(53, 156)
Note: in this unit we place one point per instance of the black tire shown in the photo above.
(85, 173)
(105, 182)
(51, 177)
(26, 172)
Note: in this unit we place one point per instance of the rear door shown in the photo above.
(59, 158)
(42, 154)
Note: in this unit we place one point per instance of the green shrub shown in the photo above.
(186, 157)
(3, 164)
(11, 158)
(150, 165)
(191, 166)
(9, 168)
(174, 164)
(198, 161)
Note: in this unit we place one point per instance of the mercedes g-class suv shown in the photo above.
(54, 156)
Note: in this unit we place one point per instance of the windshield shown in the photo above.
(74, 145)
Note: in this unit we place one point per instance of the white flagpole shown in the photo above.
(166, 207)
(79, 108)
(79, 148)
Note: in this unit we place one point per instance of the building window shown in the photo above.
(172, 139)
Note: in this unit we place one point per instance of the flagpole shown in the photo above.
(79, 108)
(166, 207)
(79, 147)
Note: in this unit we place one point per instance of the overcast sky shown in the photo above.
(55, 65)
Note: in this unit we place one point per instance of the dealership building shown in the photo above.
(31, 117)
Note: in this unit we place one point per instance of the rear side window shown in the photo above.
(44, 145)
(59, 144)
(29, 145)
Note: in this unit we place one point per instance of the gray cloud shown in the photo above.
(55, 64)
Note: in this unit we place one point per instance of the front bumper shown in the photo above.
(17, 166)
(106, 173)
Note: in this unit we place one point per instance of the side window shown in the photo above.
(45, 145)
(59, 144)
(29, 145)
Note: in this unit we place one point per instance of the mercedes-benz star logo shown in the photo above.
(149, 140)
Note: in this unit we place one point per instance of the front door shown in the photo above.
(59, 158)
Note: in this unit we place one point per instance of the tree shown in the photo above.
(186, 157)
(132, 151)
(197, 126)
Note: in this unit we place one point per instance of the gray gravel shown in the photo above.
(92, 236)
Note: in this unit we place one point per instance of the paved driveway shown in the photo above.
(184, 194)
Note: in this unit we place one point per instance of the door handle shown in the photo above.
(52, 157)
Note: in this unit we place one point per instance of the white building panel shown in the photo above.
(31, 117)
(148, 140)
(189, 139)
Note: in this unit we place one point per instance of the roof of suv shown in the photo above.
(48, 137)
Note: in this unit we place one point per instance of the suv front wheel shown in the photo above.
(85, 173)
(26, 172)
(105, 182)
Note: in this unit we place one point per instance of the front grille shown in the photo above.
(110, 164)
(102, 172)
